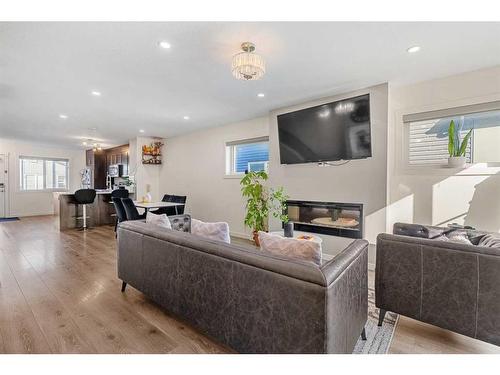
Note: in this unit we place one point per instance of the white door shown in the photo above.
(3, 185)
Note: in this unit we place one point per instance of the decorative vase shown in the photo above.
(256, 238)
(288, 229)
(456, 161)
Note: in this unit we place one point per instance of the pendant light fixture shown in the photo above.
(248, 65)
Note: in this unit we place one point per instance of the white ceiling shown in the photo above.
(47, 69)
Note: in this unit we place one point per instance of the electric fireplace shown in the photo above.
(331, 218)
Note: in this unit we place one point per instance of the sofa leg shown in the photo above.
(363, 334)
(381, 316)
(124, 285)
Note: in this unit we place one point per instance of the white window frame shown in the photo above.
(402, 134)
(230, 147)
(45, 160)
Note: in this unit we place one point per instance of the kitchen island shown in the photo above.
(99, 212)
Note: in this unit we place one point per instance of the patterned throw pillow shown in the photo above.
(459, 236)
(490, 240)
(214, 231)
(160, 220)
(291, 247)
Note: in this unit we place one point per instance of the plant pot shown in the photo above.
(256, 238)
(456, 161)
(288, 229)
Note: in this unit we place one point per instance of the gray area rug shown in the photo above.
(378, 339)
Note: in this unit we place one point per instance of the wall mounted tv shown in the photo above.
(334, 131)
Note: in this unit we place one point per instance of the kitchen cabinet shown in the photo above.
(99, 161)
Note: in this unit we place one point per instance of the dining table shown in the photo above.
(155, 205)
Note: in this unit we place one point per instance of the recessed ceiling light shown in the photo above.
(164, 44)
(84, 143)
(96, 93)
(413, 49)
(186, 117)
(62, 116)
(141, 131)
(261, 94)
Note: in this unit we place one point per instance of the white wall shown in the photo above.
(359, 181)
(194, 165)
(440, 196)
(37, 203)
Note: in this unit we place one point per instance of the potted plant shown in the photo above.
(261, 202)
(455, 148)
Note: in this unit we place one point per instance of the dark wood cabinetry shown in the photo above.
(99, 161)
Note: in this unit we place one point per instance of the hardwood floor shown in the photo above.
(59, 294)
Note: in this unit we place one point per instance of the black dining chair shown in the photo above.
(117, 193)
(84, 197)
(131, 210)
(169, 211)
(121, 215)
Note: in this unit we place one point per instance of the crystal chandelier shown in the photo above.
(96, 146)
(248, 65)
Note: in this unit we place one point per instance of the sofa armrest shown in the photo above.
(346, 297)
(334, 268)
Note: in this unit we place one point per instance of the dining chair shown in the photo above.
(121, 214)
(169, 211)
(131, 210)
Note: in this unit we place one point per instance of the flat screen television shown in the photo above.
(334, 131)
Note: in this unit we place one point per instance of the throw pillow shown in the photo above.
(215, 231)
(459, 236)
(160, 220)
(291, 247)
(490, 240)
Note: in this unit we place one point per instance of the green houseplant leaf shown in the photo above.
(451, 139)
(463, 147)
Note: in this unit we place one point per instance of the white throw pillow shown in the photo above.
(214, 231)
(291, 247)
(160, 220)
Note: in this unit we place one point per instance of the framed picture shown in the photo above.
(151, 154)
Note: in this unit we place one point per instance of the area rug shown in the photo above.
(378, 339)
(8, 219)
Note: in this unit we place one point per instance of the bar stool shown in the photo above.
(84, 197)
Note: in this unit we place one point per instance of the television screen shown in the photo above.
(328, 132)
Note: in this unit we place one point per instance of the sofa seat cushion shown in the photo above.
(160, 220)
(291, 247)
(214, 231)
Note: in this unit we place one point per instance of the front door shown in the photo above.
(3, 186)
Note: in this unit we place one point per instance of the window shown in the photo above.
(249, 155)
(427, 135)
(43, 173)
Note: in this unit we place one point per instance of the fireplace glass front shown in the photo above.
(333, 218)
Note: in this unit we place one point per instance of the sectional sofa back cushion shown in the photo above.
(214, 231)
(291, 247)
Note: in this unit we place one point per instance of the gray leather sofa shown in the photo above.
(250, 301)
(448, 284)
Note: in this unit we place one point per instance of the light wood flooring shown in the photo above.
(59, 294)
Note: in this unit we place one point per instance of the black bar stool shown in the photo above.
(84, 197)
